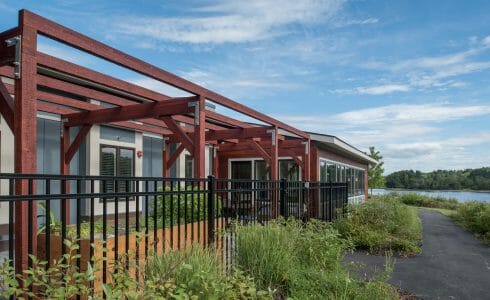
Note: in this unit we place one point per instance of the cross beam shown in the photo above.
(238, 133)
(131, 112)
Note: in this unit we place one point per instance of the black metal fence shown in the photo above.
(143, 215)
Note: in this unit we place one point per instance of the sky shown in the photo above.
(408, 77)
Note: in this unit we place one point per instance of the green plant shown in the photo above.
(475, 216)
(197, 273)
(61, 280)
(415, 199)
(181, 206)
(382, 223)
(302, 261)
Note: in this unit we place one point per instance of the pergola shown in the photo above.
(50, 84)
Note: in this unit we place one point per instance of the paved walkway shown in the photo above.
(453, 264)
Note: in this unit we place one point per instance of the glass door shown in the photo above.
(241, 186)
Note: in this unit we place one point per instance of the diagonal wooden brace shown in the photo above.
(261, 150)
(174, 156)
(70, 152)
(184, 138)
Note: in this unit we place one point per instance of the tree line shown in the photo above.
(474, 179)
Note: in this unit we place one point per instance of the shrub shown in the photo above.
(382, 223)
(301, 261)
(475, 216)
(185, 208)
(61, 280)
(196, 273)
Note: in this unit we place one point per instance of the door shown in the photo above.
(241, 189)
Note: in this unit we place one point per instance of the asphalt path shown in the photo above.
(453, 263)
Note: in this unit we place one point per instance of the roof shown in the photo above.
(334, 142)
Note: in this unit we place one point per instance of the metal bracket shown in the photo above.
(273, 136)
(17, 42)
(307, 148)
(196, 111)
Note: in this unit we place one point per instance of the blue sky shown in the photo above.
(409, 77)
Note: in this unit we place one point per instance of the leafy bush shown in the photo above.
(382, 223)
(415, 199)
(475, 216)
(61, 280)
(301, 261)
(190, 206)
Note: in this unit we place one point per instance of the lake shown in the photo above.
(461, 196)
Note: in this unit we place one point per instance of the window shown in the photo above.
(116, 161)
(262, 170)
(323, 171)
(288, 169)
(117, 134)
(189, 167)
(152, 157)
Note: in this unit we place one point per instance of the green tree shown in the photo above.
(375, 171)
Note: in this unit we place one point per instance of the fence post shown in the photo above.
(211, 214)
(346, 199)
(282, 198)
(307, 202)
(331, 213)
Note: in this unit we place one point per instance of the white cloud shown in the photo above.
(232, 21)
(383, 89)
(357, 22)
(436, 71)
(431, 112)
(410, 136)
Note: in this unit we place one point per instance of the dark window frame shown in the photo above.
(118, 157)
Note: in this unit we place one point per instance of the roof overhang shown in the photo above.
(332, 142)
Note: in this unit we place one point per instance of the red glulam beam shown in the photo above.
(131, 112)
(25, 141)
(238, 133)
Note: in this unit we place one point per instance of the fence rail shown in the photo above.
(145, 215)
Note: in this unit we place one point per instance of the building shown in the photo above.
(58, 117)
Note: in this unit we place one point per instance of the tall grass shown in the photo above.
(382, 223)
(415, 199)
(196, 273)
(302, 261)
(475, 216)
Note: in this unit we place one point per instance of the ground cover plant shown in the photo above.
(302, 261)
(382, 223)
